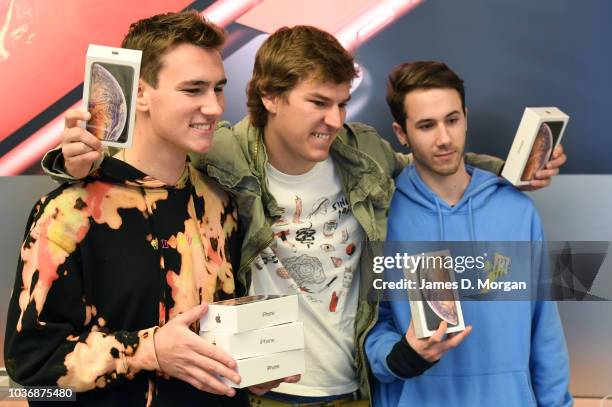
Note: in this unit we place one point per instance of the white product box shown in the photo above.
(274, 366)
(539, 132)
(247, 313)
(436, 296)
(109, 93)
(273, 339)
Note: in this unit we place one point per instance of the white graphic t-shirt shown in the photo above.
(315, 254)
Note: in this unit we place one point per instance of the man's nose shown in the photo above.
(212, 106)
(443, 136)
(334, 117)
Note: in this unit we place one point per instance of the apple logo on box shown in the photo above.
(218, 319)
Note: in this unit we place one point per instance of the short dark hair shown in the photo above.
(291, 55)
(410, 76)
(157, 35)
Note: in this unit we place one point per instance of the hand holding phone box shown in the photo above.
(538, 134)
(109, 93)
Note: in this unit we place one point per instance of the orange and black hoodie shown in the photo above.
(103, 263)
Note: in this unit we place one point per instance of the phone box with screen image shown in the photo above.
(539, 132)
(109, 93)
(436, 296)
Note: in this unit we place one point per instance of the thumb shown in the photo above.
(192, 315)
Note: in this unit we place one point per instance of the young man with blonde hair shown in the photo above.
(313, 191)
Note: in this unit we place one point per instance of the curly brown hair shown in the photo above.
(291, 55)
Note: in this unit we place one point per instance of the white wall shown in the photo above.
(578, 207)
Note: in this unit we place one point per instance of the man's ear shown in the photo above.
(142, 98)
(400, 134)
(466, 119)
(270, 102)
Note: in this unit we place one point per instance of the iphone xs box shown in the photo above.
(539, 132)
(109, 93)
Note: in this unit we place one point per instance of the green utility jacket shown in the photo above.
(366, 164)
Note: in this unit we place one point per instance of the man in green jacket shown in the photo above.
(312, 192)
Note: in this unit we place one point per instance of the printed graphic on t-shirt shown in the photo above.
(314, 254)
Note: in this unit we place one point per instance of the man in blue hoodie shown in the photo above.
(515, 354)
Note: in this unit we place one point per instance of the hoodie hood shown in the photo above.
(481, 187)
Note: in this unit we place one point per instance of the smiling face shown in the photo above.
(187, 102)
(436, 126)
(303, 123)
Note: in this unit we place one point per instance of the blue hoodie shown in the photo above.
(516, 353)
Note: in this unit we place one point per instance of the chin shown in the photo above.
(319, 155)
(201, 148)
(447, 170)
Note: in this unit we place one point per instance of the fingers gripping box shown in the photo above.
(436, 296)
(109, 93)
(539, 132)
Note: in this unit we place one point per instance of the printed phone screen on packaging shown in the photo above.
(109, 101)
(542, 148)
(440, 304)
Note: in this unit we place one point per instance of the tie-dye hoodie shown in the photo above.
(104, 262)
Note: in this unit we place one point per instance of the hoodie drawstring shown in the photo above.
(440, 221)
(471, 216)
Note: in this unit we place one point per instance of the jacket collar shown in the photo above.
(361, 176)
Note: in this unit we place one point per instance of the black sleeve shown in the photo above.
(405, 361)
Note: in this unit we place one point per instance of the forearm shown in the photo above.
(100, 360)
(405, 362)
(53, 164)
(82, 362)
(390, 356)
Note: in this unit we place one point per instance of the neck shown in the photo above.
(285, 163)
(153, 155)
(450, 188)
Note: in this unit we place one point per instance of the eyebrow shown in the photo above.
(431, 120)
(198, 82)
(325, 98)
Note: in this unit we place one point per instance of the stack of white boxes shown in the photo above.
(261, 333)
